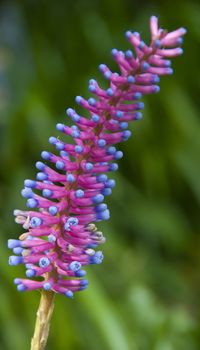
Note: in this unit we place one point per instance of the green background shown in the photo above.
(145, 295)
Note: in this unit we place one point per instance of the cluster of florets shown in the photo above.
(61, 237)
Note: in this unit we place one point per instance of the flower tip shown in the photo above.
(13, 243)
(114, 52)
(170, 71)
(15, 260)
(128, 54)
(30, 183)
(60, 127)
(75, 266)
(183, 30)
(153, 18)
(69, 294)
(32, 203)
(47, 286)
(21, 287)
(30, 273)
(128, 34)
(35, 222)
(78, 99)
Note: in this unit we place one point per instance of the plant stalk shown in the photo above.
(43, 319)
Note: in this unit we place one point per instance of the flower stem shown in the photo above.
(43, 319)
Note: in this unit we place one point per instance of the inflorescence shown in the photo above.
(64, 202)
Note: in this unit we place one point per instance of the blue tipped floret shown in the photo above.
(123, 125)
(40, 166)
(137, 95)
(138, 115)
(109, 92)
(79, 193)
(47, 286)
(78, 99)
(53, 140)
(73, 221)
(59, 146)
(30, 183)
(110, 183)
(106, 191)
(157, 43)
(102, 178)
(27, 192)
(18, 250)
(113, 167)
(60, 165)
(47, 193)
(88, 166)
(64, 154)
(170, 71)
(111, 150)
(92, 101)
(15, 260)
(69, 294)
(128, 34)
(83, 282)
(46, 155)
(91, 88)
(95, 118)
(13, 243)
(41, 176)
(103, 215)
(32, 203)
(30, 273)
(35, 222)
(118, 155)
(60, 127)
(70, 178)
(156, 88)
(179, 41)
(114, 52)
(75, 266)
(98, 198)
(129, 54)
(101, 142)
(73, 115)
(80, 273)
(44, 262)
(107, 75)
(100, 207)
(167, 63)
(140, 105)
(156, 79)
(97, 258)
(75, 134)
(119, 114)
(51, 238)
(130, 79)
(126, 135)
(141, 45)
(78, 149)
(145, 66)
(21, 287)
(93, 246)
(17, 281)
(53, 210)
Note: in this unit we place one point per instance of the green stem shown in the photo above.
(43, 319)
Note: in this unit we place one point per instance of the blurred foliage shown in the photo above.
(146, 293)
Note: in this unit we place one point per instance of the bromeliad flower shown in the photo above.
(66, 200)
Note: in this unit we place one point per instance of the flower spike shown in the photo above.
(67, 197)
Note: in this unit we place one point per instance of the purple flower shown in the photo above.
(64, 202)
